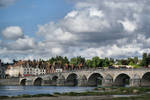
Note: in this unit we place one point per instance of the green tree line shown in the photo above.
(101, 62)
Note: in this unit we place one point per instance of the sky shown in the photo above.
(34, 29)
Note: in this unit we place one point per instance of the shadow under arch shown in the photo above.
(95, 79)
(145, 81)
(23, 82)
(38, 81)
(72, 80)
(122, 80)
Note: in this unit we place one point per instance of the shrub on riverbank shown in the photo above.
(124, 90)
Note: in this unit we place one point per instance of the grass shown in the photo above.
(28, 96)
(142, 97)
(108, 91)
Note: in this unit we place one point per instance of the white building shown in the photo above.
(28, 70)
(38, 71)
(14, 71)
(59, 70)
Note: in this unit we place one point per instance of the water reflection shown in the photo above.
(18, 90)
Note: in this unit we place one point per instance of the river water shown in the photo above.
(31, 90)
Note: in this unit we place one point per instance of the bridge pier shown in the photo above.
(29, 82)
(47, 82)
(60, 82)
(82, 82)
(107, 82)
(135, 82)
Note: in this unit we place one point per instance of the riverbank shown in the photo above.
(105, 97)
(62, 98)
(140, 93)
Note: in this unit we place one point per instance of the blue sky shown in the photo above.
(29, 13)
(34, 29)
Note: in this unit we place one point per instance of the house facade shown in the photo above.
(24, 70)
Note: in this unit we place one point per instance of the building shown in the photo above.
(21, 69)
(28, 70)
(14, 71)
(39, 71)
(58, 70)
(122, 66)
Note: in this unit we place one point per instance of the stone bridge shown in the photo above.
(92, 77)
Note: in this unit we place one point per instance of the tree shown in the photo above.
(66, 61)
(104, 62)
(77, 60)
(144, 61)
(111, 61)
(148, 59)
(89, 63)
(124, 62)
(80, 60)
(95, 61)
(135, 60)
(73, 61)
(130, 61)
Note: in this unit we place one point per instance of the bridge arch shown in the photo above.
(122, 80)
(23, 82)
(72, 80)
(95, 79)
(145, 81)
(38, 81)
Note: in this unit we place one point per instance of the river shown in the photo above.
(31, 90)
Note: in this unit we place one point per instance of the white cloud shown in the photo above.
(128, 25)
(96, 12)
(12, 32)
(71, 14)
(52, 32)
(116, 28)
(7, 60)
(25, 43)
(87, 20)
(57, 51)
(98, 28)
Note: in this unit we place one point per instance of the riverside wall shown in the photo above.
(11, 81)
